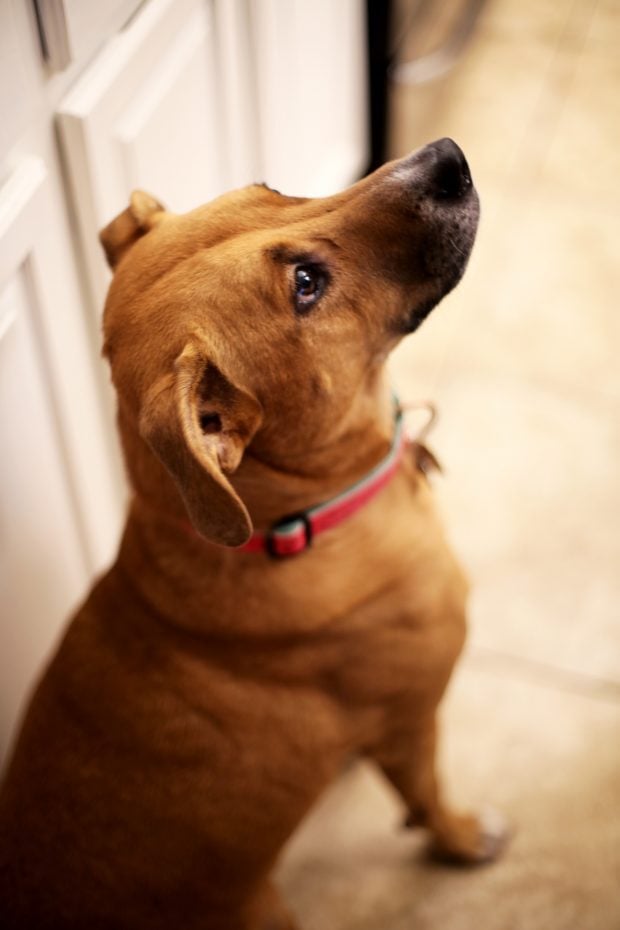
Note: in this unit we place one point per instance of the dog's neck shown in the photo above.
(272, 489)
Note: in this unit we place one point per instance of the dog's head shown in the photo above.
(262, 320)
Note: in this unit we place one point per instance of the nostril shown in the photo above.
(450, 176)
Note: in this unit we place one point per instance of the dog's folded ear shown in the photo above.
(139, 217)
(198, 423)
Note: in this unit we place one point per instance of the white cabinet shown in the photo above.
(73, 29)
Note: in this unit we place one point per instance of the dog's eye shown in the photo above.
(309, 284)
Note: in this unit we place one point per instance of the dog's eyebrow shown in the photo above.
(289, 255)
(330, 242)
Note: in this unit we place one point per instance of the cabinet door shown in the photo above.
(312, 93)
(144, 115)
(45, 563)
(72, 29)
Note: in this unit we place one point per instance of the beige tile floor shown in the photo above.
(523, 362)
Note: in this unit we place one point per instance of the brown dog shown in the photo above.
(204, 696)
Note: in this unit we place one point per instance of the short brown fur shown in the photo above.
(203, 697)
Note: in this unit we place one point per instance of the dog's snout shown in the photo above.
(450, 177)
(439, 170)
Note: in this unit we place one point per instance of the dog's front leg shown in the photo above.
(407, 758)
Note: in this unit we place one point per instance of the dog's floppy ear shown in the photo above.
(198, 423)
(140, 216)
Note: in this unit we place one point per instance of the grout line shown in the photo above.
(543, 674)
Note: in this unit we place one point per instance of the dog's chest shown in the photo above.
(382, 650)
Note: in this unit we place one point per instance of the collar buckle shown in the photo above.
(289, 536)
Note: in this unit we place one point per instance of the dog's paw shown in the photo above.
(470, 839)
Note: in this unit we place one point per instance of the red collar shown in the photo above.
(294, 533)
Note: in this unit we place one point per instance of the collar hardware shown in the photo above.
(289, 536)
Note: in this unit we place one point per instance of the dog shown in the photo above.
(283, 596)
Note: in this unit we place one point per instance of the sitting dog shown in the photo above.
(283, 596)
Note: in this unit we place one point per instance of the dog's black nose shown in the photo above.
(449, 177)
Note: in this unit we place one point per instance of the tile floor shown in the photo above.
(522, 360)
